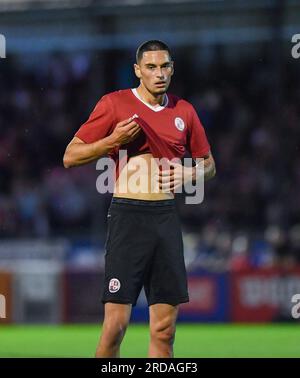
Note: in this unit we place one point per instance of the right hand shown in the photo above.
(126, 131)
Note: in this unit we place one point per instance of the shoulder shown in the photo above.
(180, 103)
(113, 100)
(122, 94)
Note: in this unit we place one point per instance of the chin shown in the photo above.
(160, 91)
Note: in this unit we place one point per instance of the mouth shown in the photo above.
(160, 84)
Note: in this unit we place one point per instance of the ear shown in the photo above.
(137, 70)
(172, 72)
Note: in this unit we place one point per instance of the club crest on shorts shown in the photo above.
(114, 285)
(179, 123)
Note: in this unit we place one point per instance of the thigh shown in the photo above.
(129, 247)
(167, 280)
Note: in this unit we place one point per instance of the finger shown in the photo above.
(131, 125)
(172, 181)
(170, 188)
(175, 165)
(165, 186)
(133, 131)
(165, 180)
(136, 131)
(165, 190)
(177, 184)
(125, 122)
(135, 135)
(166, 173)
(179, 177)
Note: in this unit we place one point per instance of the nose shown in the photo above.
(159, 73)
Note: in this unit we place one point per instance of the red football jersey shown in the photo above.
(168, 131)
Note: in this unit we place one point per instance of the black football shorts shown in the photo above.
(144, 248)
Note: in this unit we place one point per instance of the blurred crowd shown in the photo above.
(250, 110)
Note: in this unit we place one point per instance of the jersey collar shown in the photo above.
(154, 108)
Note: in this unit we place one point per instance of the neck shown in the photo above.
(149, 97)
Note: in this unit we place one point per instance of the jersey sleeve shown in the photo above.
(100, 122)
(197, 143)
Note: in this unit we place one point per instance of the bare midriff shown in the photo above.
(138, 180)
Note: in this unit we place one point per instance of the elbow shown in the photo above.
(214, 171)
(67, 162)
(211, 173)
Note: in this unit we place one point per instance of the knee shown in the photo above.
(114, 330)
(163, 331)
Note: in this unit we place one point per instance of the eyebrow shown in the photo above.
(155, 65)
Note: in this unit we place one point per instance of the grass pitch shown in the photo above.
(192, 340)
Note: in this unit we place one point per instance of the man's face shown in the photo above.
(155, 70)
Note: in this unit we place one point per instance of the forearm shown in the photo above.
(209, 170)
(180, 175)
(206, 165)
(82, 153)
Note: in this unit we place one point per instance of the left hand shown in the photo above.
(175, 177)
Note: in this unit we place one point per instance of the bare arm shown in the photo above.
(176, 177)
(78, 152)
(209, 167)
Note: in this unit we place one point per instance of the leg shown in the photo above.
(162, 329)
(115, 323)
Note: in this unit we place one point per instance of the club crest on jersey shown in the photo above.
(114, 285)
(179, 123)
